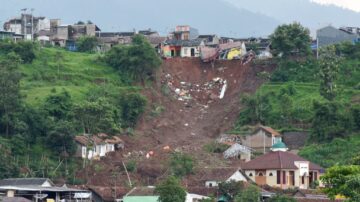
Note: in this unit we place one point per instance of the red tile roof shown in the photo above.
(277, 160)
(269, 130)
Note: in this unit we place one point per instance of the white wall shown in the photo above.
(237, 176)
(212, 183)
(186, 51)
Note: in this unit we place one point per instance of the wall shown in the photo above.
(212, 183)
(257, 141)
(237, 176)
(330, 35)
(186, 51)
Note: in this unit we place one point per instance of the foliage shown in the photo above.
(139, 60)
(301, 71)
(249, 194)
(10, 99)
(281, 198)
(215, 147)
(257, 109)
(348, 50)
(97, 116)
(133, 106)
(59, 106)
(329, 122)
(8, 168)
(329, 69)
(230, 189)
(87, 44)
(291, 39)
(131, 166)
(24, 49)
(181, 164)
(170, 190)
(343, 180)
(338, 151)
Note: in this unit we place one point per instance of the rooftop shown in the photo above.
(277, 160)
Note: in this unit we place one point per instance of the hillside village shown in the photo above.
(194, 109)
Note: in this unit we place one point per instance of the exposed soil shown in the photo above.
(185, 113)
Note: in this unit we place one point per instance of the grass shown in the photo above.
(337, 152)
(76, 72)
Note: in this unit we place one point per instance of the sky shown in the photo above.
(349, 4)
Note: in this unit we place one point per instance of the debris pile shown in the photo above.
(204, 93)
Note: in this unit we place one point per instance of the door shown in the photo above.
(172, 53)
(193, 52)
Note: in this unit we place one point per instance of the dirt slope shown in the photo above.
(188, 91)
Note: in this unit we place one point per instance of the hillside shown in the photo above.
(58, 69)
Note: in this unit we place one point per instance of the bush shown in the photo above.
(86, 44)
(133, 106)
(181, 164)
(215, 147)
(25, 49)
(131, 166)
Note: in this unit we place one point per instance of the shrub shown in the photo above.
(215, 147)
(86, 43)
(133, 106)
(181, 164)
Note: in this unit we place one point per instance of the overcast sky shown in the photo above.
(349, 4)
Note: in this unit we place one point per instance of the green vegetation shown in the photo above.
(250, 194)
(170, 190)
(138, 60)
(181, 164)
(52, 96)
(87, 44)
(292, 39)
(230, 189)
(215, 147)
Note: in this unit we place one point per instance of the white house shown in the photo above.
(191, 48)
(96, 146)
(214, 176)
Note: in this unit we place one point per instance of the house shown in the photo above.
(282, 169)
(40, 188)
(185, 32)
(262, 139)
(11, 35)
(147, 194)
(107, 193)
(182, 48)
(212, 177)
(210, 40)
(96, 146)
(232, 50)
(238, 151)
(330, 35)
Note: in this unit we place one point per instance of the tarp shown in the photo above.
(82, 195)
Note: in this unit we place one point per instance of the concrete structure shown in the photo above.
(210, 40)
(185, 32)
(182, 48)
(262, 139)
(330, 35)
(282, 169)
(36, 189)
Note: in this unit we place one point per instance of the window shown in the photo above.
(271, 174)
(250, 175)
(278, 177)
(261, 174)
(210, 185)
(284, 177)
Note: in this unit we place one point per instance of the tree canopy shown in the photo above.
(291, 39)
(87, 43)
(139, 60)
(170, 190)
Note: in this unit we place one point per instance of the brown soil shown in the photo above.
(185, 125)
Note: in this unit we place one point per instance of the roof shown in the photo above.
(277, 160)
(218, 174)
(140, 199)
(156, 39)
(279, 145)
(24, 181)
(142, 191)
(230, 45)
(108, 193)
(14, 199)
(186, 43)
(97, 139)
(269, 130)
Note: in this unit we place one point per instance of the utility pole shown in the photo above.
(32, 24)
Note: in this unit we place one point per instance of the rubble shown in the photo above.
(203, 93)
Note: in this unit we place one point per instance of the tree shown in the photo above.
(343, 180)
(329, 70)
(170, 190)
(24, 49)
(97, 116)
(59, 106)
(250, 194)
(281, 198)
(328, 122)
(87, 44)
(139, 60)
(257, 109)
(133, 106)
(60, 138)
(291, 39)
(10, 99)
(8, 168)
(181, 164)
(230, 189)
